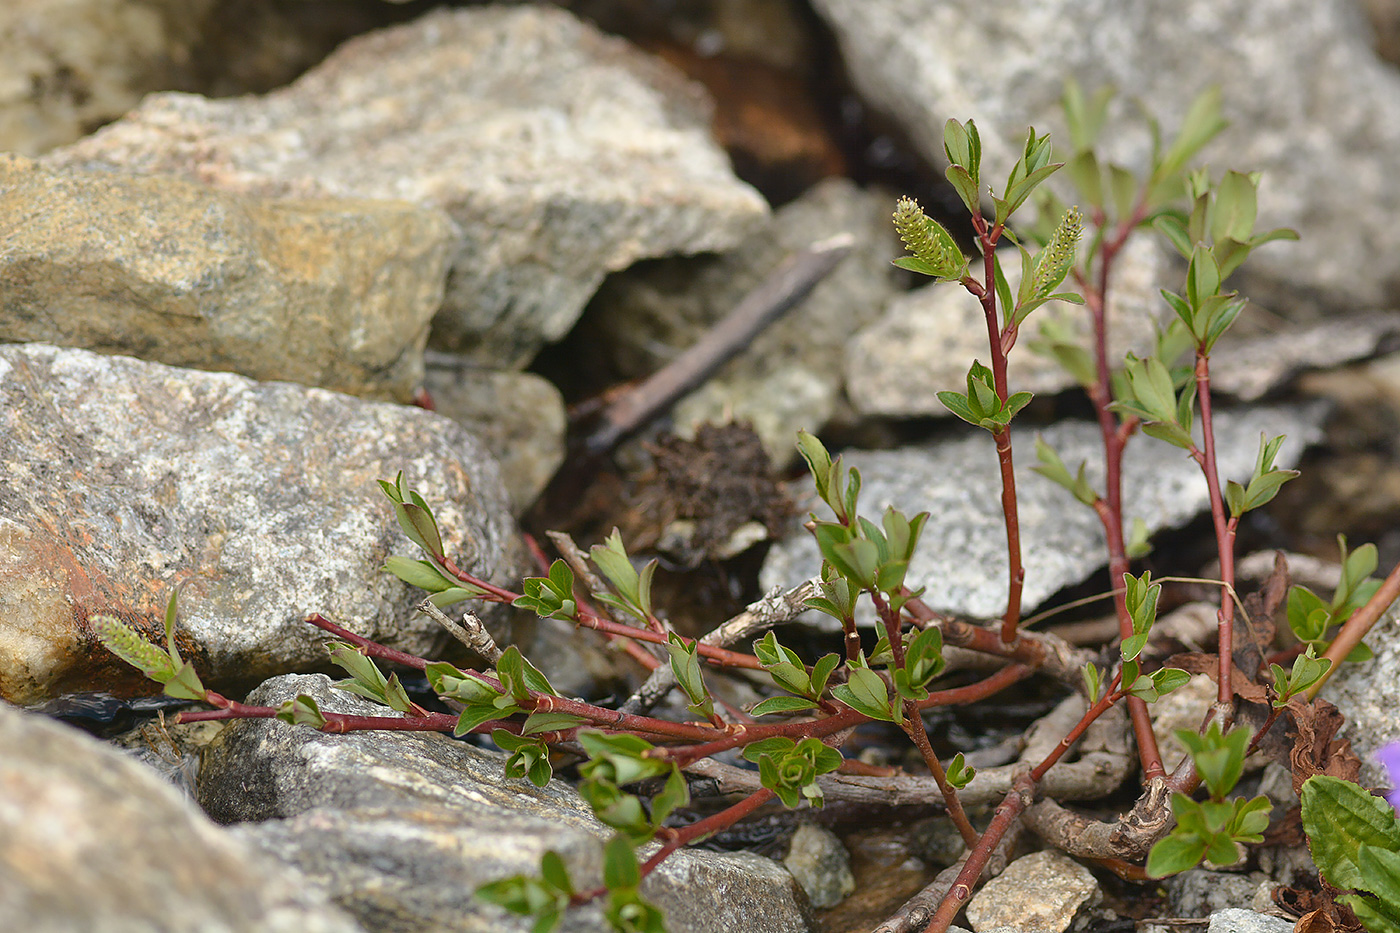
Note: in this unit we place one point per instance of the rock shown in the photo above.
(1201, 893)
(71, 65)
(927, 338)
(1368, 694)
(821, 864)
(1043, 891)
(1238, 920)
(790, 376)
(332, 292)
(1255, 365)
(1309, 105)
(962, 554)
(562, 154)
(92, 840)
(519, 417)
(123, 480)
(402, 828)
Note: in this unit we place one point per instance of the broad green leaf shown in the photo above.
(1340, 817)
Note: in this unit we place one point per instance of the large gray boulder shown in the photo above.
(1309, 105)
(561, 153)
(121, 480)
(93, 840)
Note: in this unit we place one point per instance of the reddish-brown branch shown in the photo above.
(1115, 434)
(845, 719)
(1224, 536)
(585, 618)
(708, 826)
(914, 728)
(1020, 796)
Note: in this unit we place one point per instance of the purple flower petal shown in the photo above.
(1389, 756)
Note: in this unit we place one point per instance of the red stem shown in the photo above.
(1110, 507)
(1017, 799)
(1224, 537)
(585, 618)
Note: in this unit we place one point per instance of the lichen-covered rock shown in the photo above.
(92, 840)
(962, 555)
(561, 153)
(1309, 105)
(120, 480)
(332, 292)
(401, 828)
(790, 376)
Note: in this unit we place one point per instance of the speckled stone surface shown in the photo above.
(330, 292)
(120, 480)
(93, 840)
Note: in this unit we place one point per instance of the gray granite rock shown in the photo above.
(401, 828)
(332, 292)
(927, 338)
(821, 864)
(519, 417)
(1255, 365)
(1368, 694)
(92, 840)
(121, 479)
(1309, 105)
(561, 153)
(1238, 920)
(790, 376)
(962, 555)
(1041, 892)
(1201, 893)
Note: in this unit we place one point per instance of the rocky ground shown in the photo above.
(257, 254)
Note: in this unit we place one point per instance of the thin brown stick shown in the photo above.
(792, 281)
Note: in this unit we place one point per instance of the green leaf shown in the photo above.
(620, 868)
(538, 722)
(420, 573)
(958, 773)
(620, 758)
(519, 677)
(821, 673)
(529, 757)
(866, 693)
(781, 705)
(1093, 682)
(1339, 818)
(1174, 855)
(1053, 468)
(302, 711)
(685, 664)
(958, 405)
(1201, 124)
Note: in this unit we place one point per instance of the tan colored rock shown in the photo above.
(562, 154)
(331, 292)
(67, 66)
(1038, 893)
